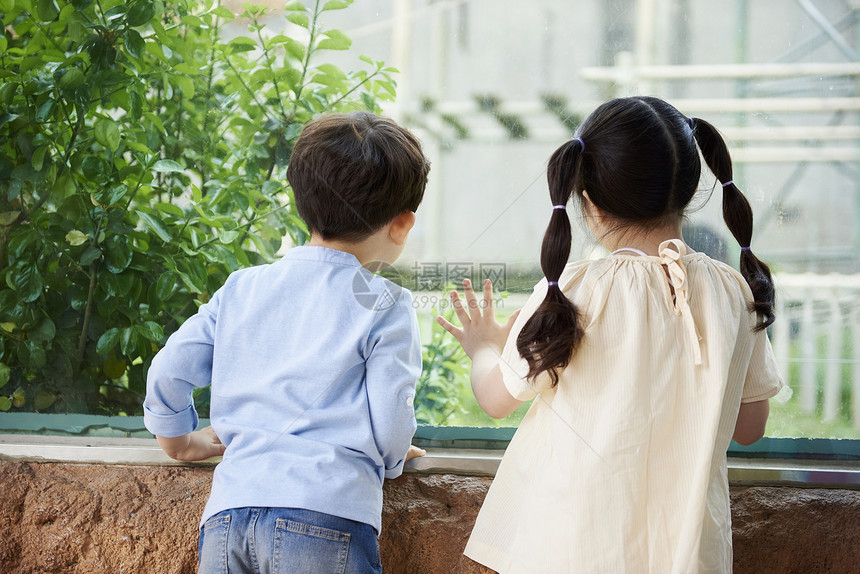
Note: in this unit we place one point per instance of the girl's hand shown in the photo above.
(480, 327)
(198, 445)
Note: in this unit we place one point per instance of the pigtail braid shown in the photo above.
(738, 216)
(550, 336)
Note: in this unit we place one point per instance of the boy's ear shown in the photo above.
(400, 226)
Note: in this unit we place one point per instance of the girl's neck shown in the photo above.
(647, 241)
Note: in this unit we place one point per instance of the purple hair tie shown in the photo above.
(692, 123)
(581, 142)
(746, 248)
(551, 283)
(728, 183)
(559, 207)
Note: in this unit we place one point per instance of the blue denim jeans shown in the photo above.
(286, 540)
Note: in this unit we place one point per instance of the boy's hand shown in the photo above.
(480, 327)
(198, 445)
(414, 452)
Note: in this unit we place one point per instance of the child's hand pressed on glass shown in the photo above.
(483, 339)
(480, 327)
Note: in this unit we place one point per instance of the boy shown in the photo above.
(312, 387)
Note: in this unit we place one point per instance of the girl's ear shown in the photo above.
(589, 207)
(400, 226)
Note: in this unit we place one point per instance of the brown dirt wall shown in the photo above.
(87, 519)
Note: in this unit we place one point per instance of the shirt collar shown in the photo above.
(324, 254)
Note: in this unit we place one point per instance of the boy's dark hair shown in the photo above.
(637, 158)
(353, 173)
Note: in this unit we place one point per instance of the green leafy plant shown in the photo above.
(142, 159)
(443, 389)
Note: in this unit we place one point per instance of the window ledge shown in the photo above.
(475, 462)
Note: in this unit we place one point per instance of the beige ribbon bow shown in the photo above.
(670, 255)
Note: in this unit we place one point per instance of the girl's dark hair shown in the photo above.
(637, 158)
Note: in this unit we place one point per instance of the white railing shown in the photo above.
(818, 329)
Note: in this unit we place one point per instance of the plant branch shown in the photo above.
(82, 340)
(45, 33)
(354, 88)
(310, 51)
(247, 89)
(246, 224)
(271, 70)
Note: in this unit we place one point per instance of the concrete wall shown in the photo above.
(109, 519)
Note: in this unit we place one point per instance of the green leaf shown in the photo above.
(169, 209)
(227, 236)
(117, 254)
(95, 168)
(223, 12)
(295, 6)
(111, 195)
(134, 43)
(138, 147)
(43, 400)
(33, 356)
(107, 341)
(5, 404)
(45, 111)
(185, 84)
(109, 283)
(38, 159)
(5, 373)
(151, 330)
(242, 44)
(90, 254)
(297, 50)
(43, 332)
(299, 19)
(165, 285)
(135, 104)
(47, 10)
(155, 225)
(336, 40)
(72, 78)
(368, 100)
(140, 12)
(75, 237)
(167, 166)
(336, 5)
(107, 133)
(7, 92)
(193, 273)
(9, 217)
(128, 340)
(27, 281)
(156, 121)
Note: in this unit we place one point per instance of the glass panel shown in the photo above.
(494, 87)
(491, 86)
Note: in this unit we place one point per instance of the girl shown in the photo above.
(645, 363)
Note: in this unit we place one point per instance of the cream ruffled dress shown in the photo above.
(622, 466)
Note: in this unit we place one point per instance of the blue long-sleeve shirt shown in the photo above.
(313, 363)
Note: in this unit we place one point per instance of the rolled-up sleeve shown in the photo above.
(393, 365)
(183, 364)
(763, 380)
